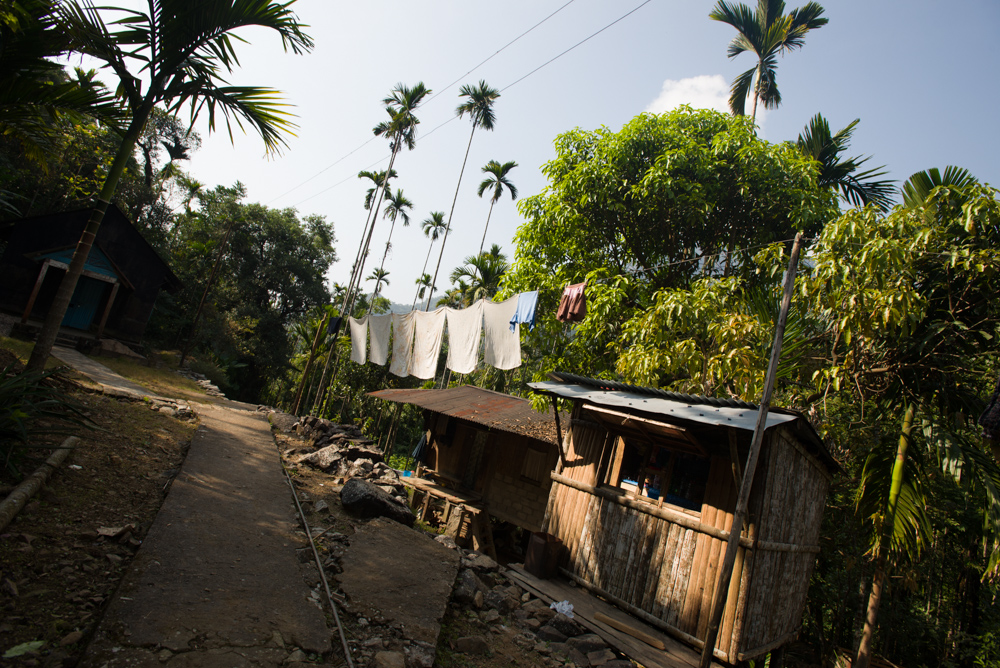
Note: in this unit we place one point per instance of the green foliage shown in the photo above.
(666, 200)
(32, 406)
(272, 274)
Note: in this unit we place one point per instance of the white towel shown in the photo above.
(503, 347)
(464, 329)
(429, 326)
(378, 330)
(359, 339)
(402, 343)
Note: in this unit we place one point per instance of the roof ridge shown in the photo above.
(613, 385)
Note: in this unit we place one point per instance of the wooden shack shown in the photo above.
(120, 283)
(644, 506)
(489, 451)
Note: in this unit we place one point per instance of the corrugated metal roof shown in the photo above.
(491, 409)
(720, 416)
(704, 410)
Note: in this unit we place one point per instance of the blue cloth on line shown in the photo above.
(525, 313)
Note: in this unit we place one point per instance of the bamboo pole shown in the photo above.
(739, 517)
(12, 505)
(312, 354)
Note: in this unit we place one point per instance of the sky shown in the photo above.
(917, 74)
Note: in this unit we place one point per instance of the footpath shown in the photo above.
(216, 581)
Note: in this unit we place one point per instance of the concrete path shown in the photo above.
(99, 373)
(216, 581)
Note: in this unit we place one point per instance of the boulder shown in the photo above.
(364, 499)
(551, 634)
(565, 625)
(500, 600)
(466, 586)
(472, 645)
(323, 459)
(587, 643)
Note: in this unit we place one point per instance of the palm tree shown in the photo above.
(183, 51)
(380, 277)
(484, 271)
(35, 91)
(496, 181)
(423, 283)
(857, 188)
(433, 227)
(456, 297)
(767, 32)
(379, 180)
(919, 186)
(479, 106)
(396, 208)
(401, 130)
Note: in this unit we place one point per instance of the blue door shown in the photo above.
(83, 305)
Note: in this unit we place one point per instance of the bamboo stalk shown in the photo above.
(15, 501)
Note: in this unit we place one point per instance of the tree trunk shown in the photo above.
(447, 228)
(57, 310)
(483, 242)
(865, 646)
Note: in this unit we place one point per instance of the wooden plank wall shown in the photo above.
(792, 512)
(655, 565)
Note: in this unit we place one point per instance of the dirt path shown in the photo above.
(217, 582)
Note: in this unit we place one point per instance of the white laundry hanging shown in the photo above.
(465, 326)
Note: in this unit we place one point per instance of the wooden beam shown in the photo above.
(34, 291)
(107, 311)
(739, 517)
(559, 444)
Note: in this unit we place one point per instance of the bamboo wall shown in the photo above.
(793, 504)
(669, 569)
(507, 494)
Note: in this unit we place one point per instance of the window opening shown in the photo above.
(659, 474)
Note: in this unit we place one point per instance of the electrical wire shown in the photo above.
(452, 118)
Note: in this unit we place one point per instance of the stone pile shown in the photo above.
(343, 452)
(171, 407)
(493, 604)
(203, 382)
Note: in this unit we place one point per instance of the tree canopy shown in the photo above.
(667, 199)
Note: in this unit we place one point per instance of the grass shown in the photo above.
(22, 351)
(164, 381)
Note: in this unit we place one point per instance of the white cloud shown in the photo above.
(708, 91)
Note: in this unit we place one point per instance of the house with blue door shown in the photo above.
(121, 280)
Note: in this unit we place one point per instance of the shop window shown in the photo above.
(660, 474)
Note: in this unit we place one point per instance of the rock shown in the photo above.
(565, 625)
(586, 643)
(551, 634)
(479, 562)
(164, 655)
(420, 655)
(533, 624)
(534, 605)
(447, 541)
(323, 459)
(467, 585)
(364, 499)
(502, 601)
(296, 656)
(320, 506)
(601, 657)
(166, 410)
(619, 663)
(71, 638)
(525, 597)
(476, 645)
(543, 649)
(354, 452)
(389, 660)
(361, 468)
(491, 616)
(479, 600)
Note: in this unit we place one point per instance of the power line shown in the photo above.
(508, 86)
(576, 45)
(339, 160)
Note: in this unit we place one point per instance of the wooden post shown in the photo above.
(559, 445)
(107, 310)
(34, 291)
(739, 517)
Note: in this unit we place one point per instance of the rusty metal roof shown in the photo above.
(495, 410)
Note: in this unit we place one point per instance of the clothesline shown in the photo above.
(417, 336)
